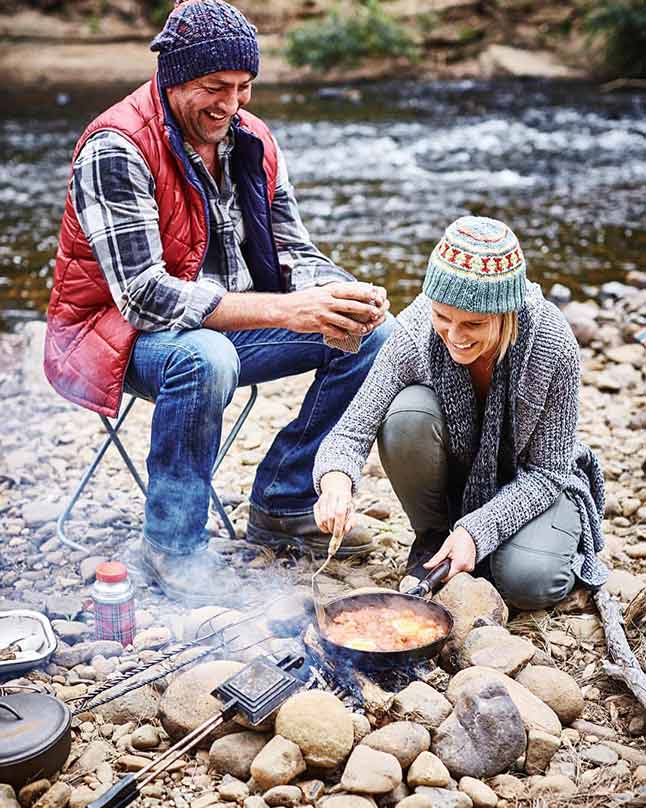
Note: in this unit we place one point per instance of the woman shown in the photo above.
(474, 401)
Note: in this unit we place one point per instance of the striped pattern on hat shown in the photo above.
(477, 266)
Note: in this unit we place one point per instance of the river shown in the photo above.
(379, 170)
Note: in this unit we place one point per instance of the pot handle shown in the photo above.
(432, 580)
(10, 709)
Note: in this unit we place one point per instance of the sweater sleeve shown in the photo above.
(348, 444)
(544, 471)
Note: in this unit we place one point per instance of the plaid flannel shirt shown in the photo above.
(113, 192)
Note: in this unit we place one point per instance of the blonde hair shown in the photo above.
(506, 336)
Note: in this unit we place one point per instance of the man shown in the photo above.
(183, 271)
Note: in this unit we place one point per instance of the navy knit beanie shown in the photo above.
(477, 266)
(201, 37)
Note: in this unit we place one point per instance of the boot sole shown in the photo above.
(266, 538)
(188, 598)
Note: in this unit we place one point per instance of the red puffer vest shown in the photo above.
(89, 343)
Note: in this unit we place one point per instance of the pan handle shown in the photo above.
(432, 580)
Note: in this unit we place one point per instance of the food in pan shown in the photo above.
(382, 628)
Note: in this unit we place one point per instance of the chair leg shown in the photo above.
(226, 445)
(113, 438)
(88, 473)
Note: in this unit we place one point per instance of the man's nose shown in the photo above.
(230, 103)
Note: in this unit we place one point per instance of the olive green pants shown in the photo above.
(533, 568)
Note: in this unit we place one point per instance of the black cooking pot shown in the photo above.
(35, 737)
(379, 660)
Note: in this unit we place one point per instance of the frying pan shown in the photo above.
(413, 599)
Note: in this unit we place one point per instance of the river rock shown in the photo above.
(403, 739)
(553, 785)
(288, 796)
(586, 628)
(28, 794)
(599, 755)
(318, 723)
(535, 713)
(346, 801)
(58, 796)
(8, 796)
(630, 353)
(370, 771)
(423, 704)
(235, 753)
(313, 790)
(231, 789)
(59, 607)
(188, 702)
(277, 763)
(35, 514)
(541, 748)
(71, 631)
(203, 621)
(428, 770)
(361, 727)
(624, 584)
(555, 688)
(438, 798)
(494, 647)
(88, 567)
(507, 787)
(254, 801)
(145, 737)
(470, 599)
(393, 797)
(152, 639)
(485, 733)
(95, 753)
(81, 797)
(85, 651)
(138, 705)
(478, 792)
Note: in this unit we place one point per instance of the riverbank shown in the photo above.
(456, 39)
(46, 443)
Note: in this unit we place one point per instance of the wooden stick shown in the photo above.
(636, 609)
(624, 666)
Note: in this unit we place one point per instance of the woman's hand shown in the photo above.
(460, 548)
(334, 511)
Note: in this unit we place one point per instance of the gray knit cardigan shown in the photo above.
(550, 460)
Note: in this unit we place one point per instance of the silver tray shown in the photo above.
(28, 636)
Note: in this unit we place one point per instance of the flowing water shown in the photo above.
(379, 171)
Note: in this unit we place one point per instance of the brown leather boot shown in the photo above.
(303, 533)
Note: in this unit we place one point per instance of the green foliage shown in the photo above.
(344, 40)
(158, 10)
(623, 24)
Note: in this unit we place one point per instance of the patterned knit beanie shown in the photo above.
(204, 36)
(477, 266)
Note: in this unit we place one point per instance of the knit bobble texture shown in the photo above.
(202, 37)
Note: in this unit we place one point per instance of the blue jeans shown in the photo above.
(192, 376)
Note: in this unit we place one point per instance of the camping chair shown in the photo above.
(113, 438)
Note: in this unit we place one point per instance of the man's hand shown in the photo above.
(336, 309)
(460, 548)
(334, 512)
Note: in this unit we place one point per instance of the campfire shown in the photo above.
(472, 715)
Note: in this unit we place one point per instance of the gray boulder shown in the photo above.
(484, 735)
